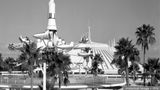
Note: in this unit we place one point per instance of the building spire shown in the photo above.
(89, 34)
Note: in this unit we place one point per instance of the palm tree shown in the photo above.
(29, 57)
(9, 64)
(134, 67)
(145, 37)
(96, 61)
(1, 63)
(153, 70)
(134, 70)
(21, 62)
(124, 50)
(87, 50)
(63, 66)
(58, 66)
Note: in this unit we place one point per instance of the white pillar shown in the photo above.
(44, 76)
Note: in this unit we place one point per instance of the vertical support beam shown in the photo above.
(44, 76)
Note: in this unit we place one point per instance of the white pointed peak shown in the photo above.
(89, 34)
(113, 43)
(51, 20)
(51, 6)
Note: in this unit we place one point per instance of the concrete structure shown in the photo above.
(97, 48)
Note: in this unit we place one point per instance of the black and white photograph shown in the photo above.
(79, 44)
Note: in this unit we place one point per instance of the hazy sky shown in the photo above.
(108, 19)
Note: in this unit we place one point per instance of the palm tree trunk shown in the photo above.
(60, 82)
(31, 77)
(134, 73)
(94, 88)
(144, 53)
(151, 80)
(127, 78)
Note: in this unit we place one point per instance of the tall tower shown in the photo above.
(52, 28)
(51, 19)
(51, 33)
(89, 34)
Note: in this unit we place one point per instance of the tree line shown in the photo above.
(126, 51)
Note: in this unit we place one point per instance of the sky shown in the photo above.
(108, 19)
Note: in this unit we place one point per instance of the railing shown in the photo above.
(90, 79)
(20, 80)
(77, 79)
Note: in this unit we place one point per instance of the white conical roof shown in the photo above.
(98, 48)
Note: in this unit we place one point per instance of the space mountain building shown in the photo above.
(79, 57)
(76, 50)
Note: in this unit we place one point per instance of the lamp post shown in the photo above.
(44, 68)
(44, 76)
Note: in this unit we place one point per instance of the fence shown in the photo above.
(78, 79)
